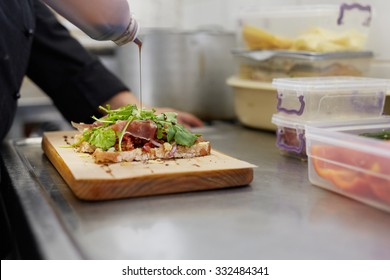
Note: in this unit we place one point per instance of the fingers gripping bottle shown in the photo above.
(102, 20)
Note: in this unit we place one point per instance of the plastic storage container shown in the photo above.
(254, 102)
(318, 28)
(290, 136)
(331, 98)
(266, 65)
(340, 159)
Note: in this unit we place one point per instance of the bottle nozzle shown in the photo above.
(130, 34)
(138, 42)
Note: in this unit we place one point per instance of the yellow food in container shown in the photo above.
(315, 40)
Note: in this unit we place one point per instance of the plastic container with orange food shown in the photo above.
(342, 158)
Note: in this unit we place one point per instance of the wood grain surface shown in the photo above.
(91, 181)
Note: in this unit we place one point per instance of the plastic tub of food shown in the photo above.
(318, 28)
(331, 98)
(254, 102)
(290, 136)
(352, 159)
(266, 65)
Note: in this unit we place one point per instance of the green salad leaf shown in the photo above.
(101, 137)
(182, 137)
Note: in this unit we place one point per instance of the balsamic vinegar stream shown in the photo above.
(139, 44)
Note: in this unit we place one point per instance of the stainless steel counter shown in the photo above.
(280, 215)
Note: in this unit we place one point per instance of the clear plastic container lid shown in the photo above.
(265, 55)
(332, 125)
(331, 84)
(289, 11)
(282, 121)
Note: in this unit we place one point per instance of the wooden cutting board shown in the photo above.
(91, 181)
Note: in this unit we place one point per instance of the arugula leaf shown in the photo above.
(160, 132)
(122, 113)
(171, 132)
(171, 117)
(183, 136)
(147, 114)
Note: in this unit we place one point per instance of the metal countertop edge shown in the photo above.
(34, 201)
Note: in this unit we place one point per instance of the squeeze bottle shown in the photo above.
(102, 20)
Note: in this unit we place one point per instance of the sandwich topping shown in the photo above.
(128, 129)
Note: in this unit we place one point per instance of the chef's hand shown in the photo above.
(125, 97)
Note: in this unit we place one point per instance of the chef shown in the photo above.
(34, 43)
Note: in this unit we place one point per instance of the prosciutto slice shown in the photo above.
(144, 129)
